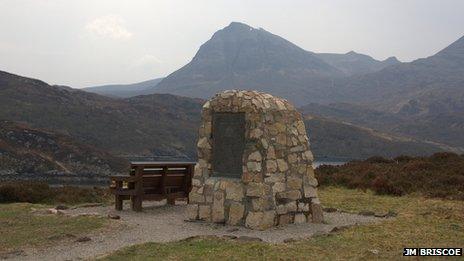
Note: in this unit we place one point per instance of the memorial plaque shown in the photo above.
(228, 135)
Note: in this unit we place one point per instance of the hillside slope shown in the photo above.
(334, 139)
(24, 150)
(143, 125)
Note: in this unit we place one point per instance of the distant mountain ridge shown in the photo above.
(353, 63)
(162, 125)
(124, 90)
(243, 57)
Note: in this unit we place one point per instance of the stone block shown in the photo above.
(255, 156)
(285, 219)
(308, 155)
(271, 166)
(254, 166)
(300, 218)
(257, 189)
(301, 128)
(283, 166)
(217, 212)
(297, 149)
(204, 212)
(197, 171)
(275, 177)
(271, 153)
(236, 211)
(289, 195)
(282, 139)
(203, 143)
(256, 133)
(279, 187)
(192, 211)
(317, 213)
(196, 182)
(265, 143)
(310, 191)
(281, 209)
(292, 158)
(195, 197)
(234, 191)
(291, 206)
(260, 220)
(304, 207)
(294, 183)
(262, 203)
(208, 190)
(309, 180)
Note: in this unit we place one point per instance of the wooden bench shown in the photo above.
(153, 181)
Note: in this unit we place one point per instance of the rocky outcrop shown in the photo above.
(33, 154)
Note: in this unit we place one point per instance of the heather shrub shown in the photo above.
(440, 175)
(38, 192)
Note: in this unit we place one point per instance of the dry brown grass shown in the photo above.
(420, 222)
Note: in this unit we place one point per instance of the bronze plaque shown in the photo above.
(228, 135)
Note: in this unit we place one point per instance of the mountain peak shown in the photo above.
(391, 60)
(240, 56)
(237, 29)
(239, 25)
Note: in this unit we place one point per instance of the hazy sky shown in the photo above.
(90, 42)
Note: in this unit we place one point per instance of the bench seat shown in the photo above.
(152, 181)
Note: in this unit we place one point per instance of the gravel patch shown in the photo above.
(165, 223)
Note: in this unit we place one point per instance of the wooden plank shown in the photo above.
(163, 180)
(188, 179)
(136, 199)
(118, 200)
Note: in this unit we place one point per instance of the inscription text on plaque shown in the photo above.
(228, 135)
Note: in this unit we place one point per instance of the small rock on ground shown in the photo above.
(114, 216)
(230, 230)
(330, 210)
(83, 239)
(249, 239)
(366, 213)
(61, 207)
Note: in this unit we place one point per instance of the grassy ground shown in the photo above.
(20, 227)
(420, 223)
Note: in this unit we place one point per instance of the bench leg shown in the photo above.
(118, 202)
(136, 203)
(171, 200)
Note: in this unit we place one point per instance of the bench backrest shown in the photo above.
(159, 178)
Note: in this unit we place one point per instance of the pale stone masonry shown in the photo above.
(277, 186)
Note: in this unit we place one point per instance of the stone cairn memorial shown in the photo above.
(254, 164)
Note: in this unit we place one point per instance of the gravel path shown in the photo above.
(165, 223)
